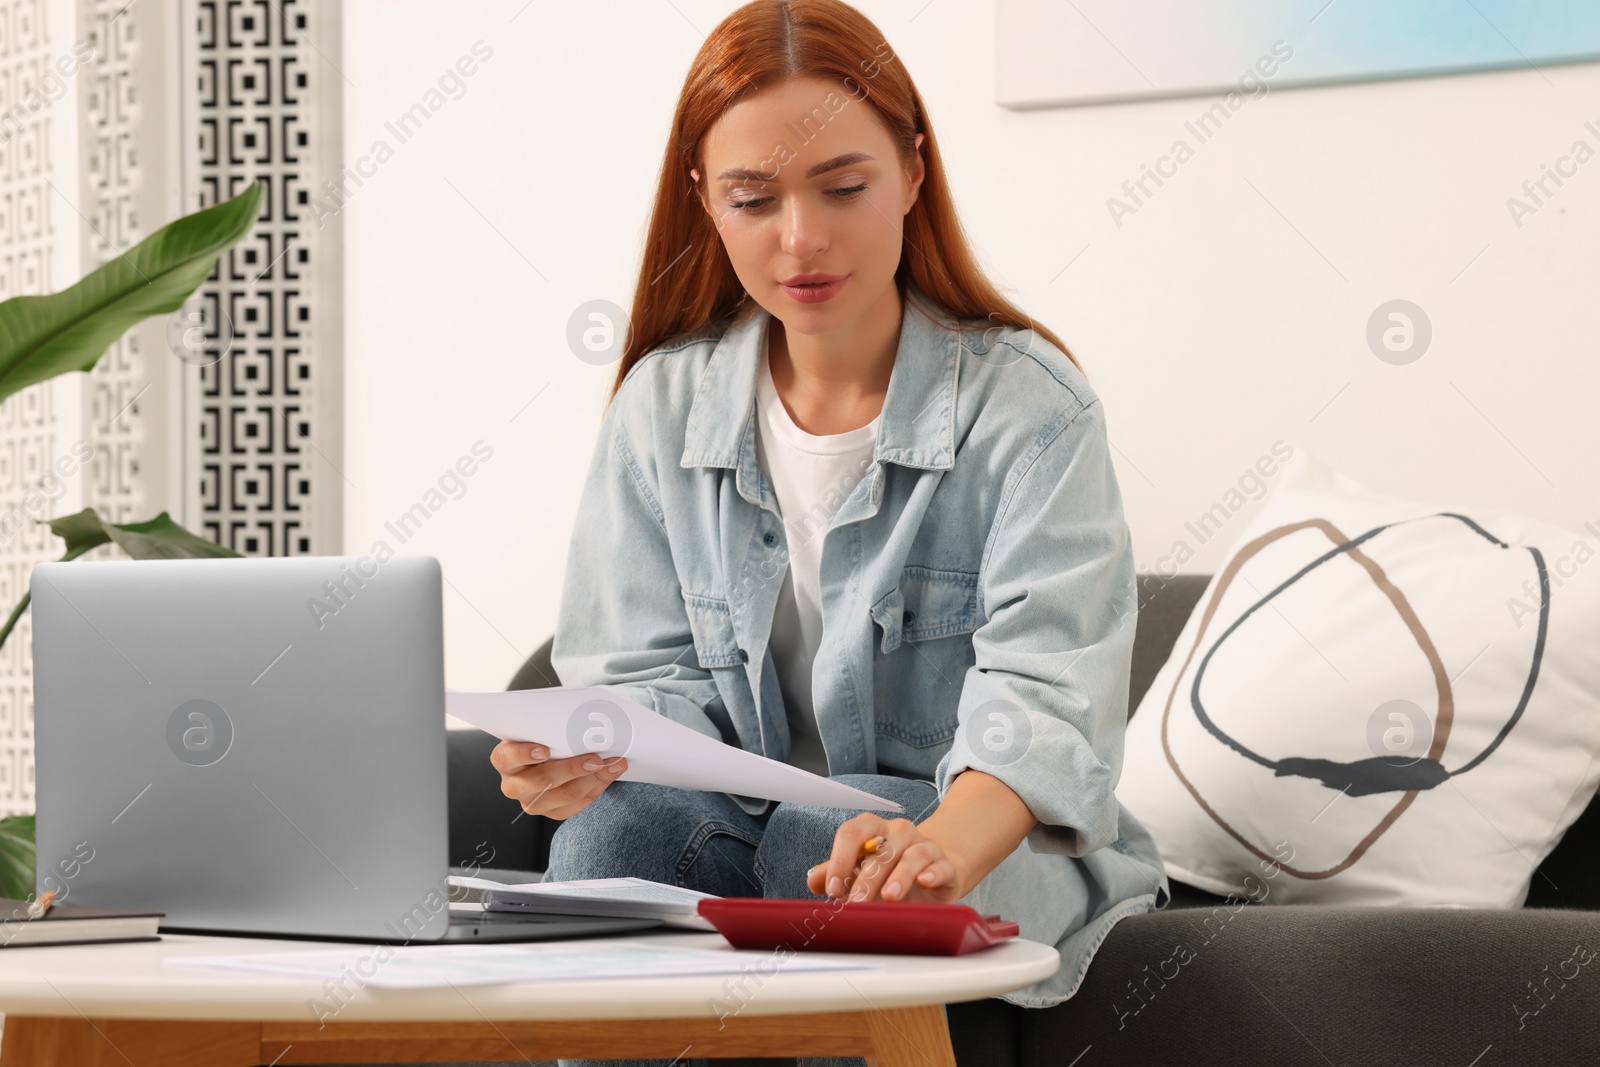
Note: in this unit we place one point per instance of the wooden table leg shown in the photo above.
(909, 1037)
(894, 1037)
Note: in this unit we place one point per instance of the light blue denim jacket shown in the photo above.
(978, 595)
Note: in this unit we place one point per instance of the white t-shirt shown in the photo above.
(812, 476)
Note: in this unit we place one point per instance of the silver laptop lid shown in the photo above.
(253, 745)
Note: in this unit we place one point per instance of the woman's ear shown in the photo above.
(699, 190)
(916, 172)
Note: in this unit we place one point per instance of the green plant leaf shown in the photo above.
(17, 857)
(157, 538)
(81, 531)
(43, 336)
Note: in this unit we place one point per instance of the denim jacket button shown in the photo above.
(907, 618)
(769, 538)
(744, 657)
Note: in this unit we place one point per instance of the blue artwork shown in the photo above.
(1062, 52)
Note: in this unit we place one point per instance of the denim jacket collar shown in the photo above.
(919, 407)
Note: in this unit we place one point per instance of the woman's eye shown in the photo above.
(755, 204)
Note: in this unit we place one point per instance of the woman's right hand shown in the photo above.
(557, 788)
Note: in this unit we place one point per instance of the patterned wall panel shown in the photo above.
(116, 210)
(38, 230)
(266, 477)
(122, 170)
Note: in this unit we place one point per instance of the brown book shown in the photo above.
(70, 924)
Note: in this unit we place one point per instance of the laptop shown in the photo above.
(254, 746)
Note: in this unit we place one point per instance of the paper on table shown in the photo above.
(420, 966)
(570, 719)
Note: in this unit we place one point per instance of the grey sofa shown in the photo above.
(1287, 985)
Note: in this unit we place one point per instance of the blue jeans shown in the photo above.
(706, 842)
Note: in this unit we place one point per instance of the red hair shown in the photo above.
(686, 280)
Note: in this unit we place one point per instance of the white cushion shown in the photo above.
(1325, 647)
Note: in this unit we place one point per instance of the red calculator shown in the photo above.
(826, 924)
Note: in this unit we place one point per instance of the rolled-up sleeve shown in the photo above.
(622, 622)
(1044, 706)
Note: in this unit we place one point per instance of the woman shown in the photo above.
(847, 510)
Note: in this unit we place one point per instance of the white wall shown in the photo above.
(1226, 313)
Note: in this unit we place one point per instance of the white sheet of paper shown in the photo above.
(659, 750)
(417, 966)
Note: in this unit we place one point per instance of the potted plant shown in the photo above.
(45, 336)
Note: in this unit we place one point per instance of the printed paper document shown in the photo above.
(570, 719)
(414, 966)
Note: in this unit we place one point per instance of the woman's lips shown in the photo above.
(814, 293)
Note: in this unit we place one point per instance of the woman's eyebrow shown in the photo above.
(746, 174)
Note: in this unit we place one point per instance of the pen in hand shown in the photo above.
(867, 848)
(37, 909)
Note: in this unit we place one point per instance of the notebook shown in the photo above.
(67, 924)
(622, 898)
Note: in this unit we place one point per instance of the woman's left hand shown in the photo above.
(907, 865)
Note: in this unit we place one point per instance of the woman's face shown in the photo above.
(787, 207)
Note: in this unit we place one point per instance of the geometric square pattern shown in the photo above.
(266, 473)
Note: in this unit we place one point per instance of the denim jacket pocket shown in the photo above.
(711, 624)
(925, 652)
(927, 603)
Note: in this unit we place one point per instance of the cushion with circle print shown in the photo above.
(1375, 701)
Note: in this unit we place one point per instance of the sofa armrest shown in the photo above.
(488, 828)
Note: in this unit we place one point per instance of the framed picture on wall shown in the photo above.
(1055, 53)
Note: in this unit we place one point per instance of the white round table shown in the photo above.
(123, 1003)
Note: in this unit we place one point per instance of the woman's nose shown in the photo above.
(804, 230)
